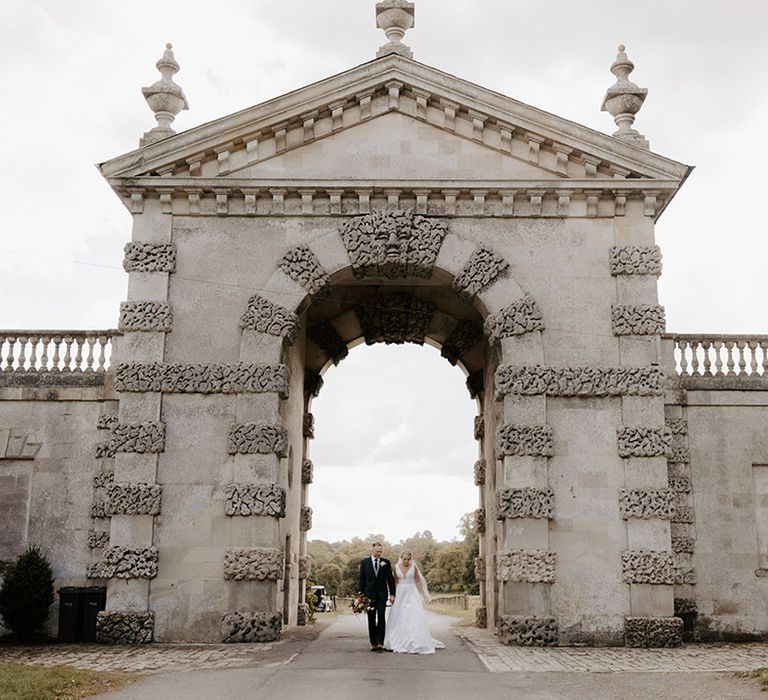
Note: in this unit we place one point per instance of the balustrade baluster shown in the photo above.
(718, 358)
(706, 344)
(741, 354)
(9, 359)
(764, 349)
(753, 357)
(695, 344)
(102, 353)
(729, 355)
(68, 340)
(33, 341)
(22, 354)
(681, 345)
(89, 359)
(79, 354)
(56, 358)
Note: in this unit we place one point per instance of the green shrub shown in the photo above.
(27, 594)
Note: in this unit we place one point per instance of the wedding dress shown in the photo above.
(407, 630)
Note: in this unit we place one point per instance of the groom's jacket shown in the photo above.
(375, 586)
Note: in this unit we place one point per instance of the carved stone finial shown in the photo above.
(165, 98)
(624, 99)
(395, 17)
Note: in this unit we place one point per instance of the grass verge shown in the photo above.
(21, 682)
(759, 674)
(466, 617)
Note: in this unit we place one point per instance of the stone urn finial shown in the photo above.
(165, 99)
(624, 99)
(395, 17)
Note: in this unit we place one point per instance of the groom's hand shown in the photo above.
(391, 599)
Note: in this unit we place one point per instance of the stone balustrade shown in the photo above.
(39, 351)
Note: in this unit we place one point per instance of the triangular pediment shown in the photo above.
(392, 119)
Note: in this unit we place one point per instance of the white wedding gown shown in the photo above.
(407, 630)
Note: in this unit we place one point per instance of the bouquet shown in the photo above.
(361, 604)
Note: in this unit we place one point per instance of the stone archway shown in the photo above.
(396, 277)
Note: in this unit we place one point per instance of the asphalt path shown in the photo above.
(337, 664)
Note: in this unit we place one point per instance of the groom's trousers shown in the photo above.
(377, 623)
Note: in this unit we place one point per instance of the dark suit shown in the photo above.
(377, 587)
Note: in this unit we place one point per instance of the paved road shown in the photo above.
(336, 664)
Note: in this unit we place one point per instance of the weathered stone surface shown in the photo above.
(525, 503)
(124, 627)
(313, 382)
(480, 568)
(644, 442)
(106, 421)
(638, 319)
(393, 244)
(647, 566)
(129, 562)
(530, 565)
(327, 338)
(686, 606)
(535, 380)
(519, 630)
(305, 566)
(653, 632)
(481, 617)
(303, 267)
(98, 538)
(145, 316)
(253, 564)
(532, 440)
(647, 503)
(137, 437)
(462, 339)
(480, 520)
(302, 615)
(481, 269)
(522, 316)
(263, 316)
(480, 472)
(305, 519)
(149, 257)
(307, 471)
(255, 499)
(308, 426)
(190, 378)
(395, 318)
(636, 260)
(258, 438)
(251, 626)
(479, 428)
(133, 499)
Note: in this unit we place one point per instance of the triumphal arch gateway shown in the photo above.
(622, 471)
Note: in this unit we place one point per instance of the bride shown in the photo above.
(407, 630)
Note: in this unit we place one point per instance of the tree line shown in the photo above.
(448, 566)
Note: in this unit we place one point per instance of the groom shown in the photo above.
(375, 578)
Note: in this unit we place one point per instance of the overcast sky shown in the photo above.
(70, 84)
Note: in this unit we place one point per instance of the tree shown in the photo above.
(447, 574)
(27, 594)
(329, 575)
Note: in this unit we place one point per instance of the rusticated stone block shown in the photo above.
(149, 257)
(479, 428)
(302, 615)
(253, 564)
(480, 568)
(683, 513)
(635, 260)
(395, 318)
(104, 450)
(644, 442)
(250, 626)
(130, 562)
(133, 499)
(682, 544)
(313, 382)
(137, 437)
(519, 630)
(480, 472)
(106, 421)
(522, 316)
(481, 617)
(481, 269)
(678, 426)
(653, 632)
(480, 520)
(686, 575)
(532, 440)
(305, 566)
(686, 606)
(680, 484)
(258, 438)
(325, 336)
(263, 316)
(679, 455)
(98, 538)
(307, 471)
(530, 565)
(393, 244)
(647, 566)
(99, 570)
(102, 480)
(255, 499)
(638, 319)
(535, 380)
(189, 378)
(124, 627)
(145, 316)
(647, 503)
(462, 339)
(308, 426)
(525, 503)
(303, 267)
(305, 519)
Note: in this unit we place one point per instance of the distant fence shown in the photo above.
(462, 601)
